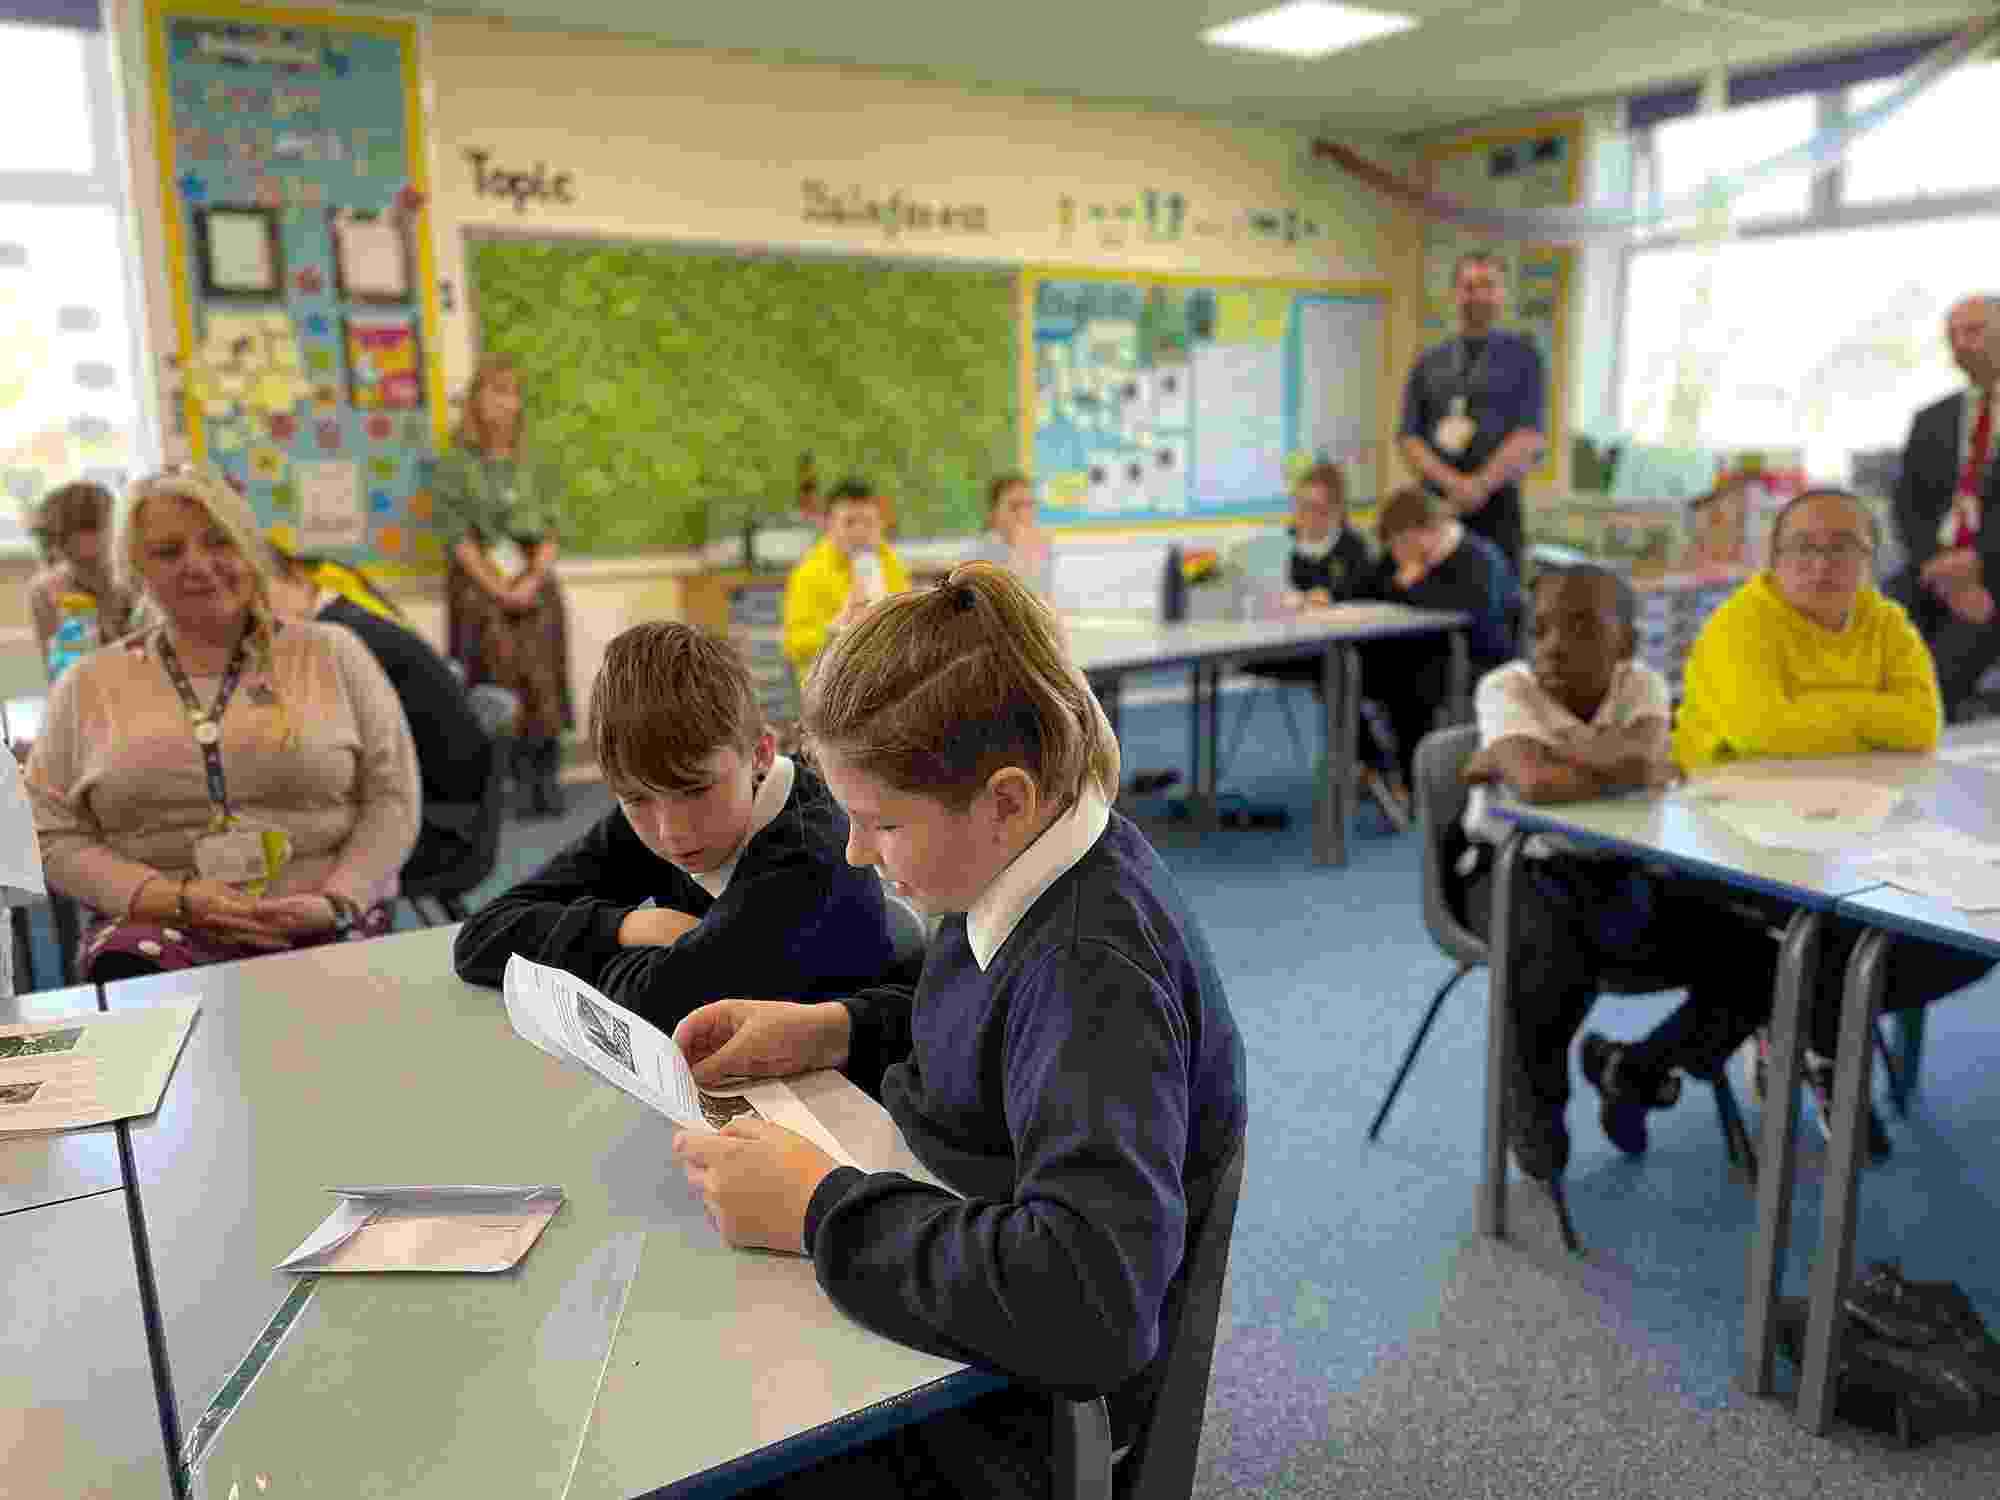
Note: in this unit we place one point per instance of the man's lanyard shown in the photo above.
(1468, 370)
(206, 724)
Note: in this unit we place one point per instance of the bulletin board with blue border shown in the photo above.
(1178, 399)
(292, 163)
(1528, 167)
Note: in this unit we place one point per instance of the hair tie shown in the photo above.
(964, 598)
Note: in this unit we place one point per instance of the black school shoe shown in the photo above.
(1818, 1072)
(1626, 1093)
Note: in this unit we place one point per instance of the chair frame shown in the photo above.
(1160, 1463)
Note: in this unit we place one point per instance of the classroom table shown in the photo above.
(370, 1063)
(1108, 648)
(53, 1166)
(77, 1407)
(1676, 831)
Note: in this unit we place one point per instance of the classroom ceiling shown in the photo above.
(1467, 60)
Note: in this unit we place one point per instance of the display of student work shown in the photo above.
(292, 172)
(1161, 397)
(1533, 167)
(680, 385)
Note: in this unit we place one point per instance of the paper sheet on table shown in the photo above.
(1941, 864)
(1818, 814)
(1985, 755)
(88, 1069)
(461, 1227)
(572, 1020)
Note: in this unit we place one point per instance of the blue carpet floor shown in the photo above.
(1373, 1346)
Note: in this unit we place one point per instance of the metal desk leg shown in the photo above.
(1340, 677)
(1490, 1208)
(1854, 1071)
(1214, 733)
(1798, 958)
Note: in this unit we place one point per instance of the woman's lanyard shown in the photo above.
(206, 724)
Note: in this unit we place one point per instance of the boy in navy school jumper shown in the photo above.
(1067, 1061)
(1431, 561)
(739, 850)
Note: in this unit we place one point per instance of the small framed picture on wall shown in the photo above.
(371, 256)
(239, 251)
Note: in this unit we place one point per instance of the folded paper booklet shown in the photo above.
(1819, 814)
(572, 1020)
(464, 1227)
(88, 1069)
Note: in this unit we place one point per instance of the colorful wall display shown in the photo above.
(292, 176)
(1534, 167)
(1165, 398)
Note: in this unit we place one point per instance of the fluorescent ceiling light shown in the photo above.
(1307, 28)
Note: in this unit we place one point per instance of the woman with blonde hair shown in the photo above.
(500, 510)
(223, 783)
(1067, 1061)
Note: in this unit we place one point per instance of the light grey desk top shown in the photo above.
(77, 1413)
(1675, 828)
(1920, 916)
(1112, 643)
(723, 1352)
(370, 1063)
(50, 1167)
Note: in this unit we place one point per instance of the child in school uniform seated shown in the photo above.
(845, 571)
(1068, 1060)
(721, 870)
(1431, 561)
(1013, 538)
(1581, 719)
(1330, 561)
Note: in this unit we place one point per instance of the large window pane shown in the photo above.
(67, 405)
(1943, 143)
(1826, 341)
(44, 101)
(1688, 152)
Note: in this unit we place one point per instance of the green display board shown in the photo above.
(675, 387)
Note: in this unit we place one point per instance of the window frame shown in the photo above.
(1829, 211)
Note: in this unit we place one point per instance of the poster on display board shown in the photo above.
(1156, 398)
(298, 246)
(1537, 166)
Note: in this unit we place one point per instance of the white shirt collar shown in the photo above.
(1320, 550)
(771, 798)
(1000, 907)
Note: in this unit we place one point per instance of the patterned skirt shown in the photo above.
(528, 654)
(168, 948)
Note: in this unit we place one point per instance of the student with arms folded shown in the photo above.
(1581, 719)
(1067, 1060)
(1807, 659)
(737, 849)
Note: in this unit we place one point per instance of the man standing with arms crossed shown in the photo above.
(1941, 499)
(1473, 410)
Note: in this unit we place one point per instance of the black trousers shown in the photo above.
(1963, 652)
(1411, 679)
(1581, 919)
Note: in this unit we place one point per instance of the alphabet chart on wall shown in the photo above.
(295, 206)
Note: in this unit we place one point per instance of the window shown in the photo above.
(69, 345)
(1819, 324)
(1686, 153)
(1941, 143)
(1826, 341)
(44, 108)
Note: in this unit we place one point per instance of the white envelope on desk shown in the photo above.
(455, 1227)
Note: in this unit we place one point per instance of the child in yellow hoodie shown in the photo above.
(848, 569)
(1808, 658)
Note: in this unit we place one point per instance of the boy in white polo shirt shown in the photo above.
(1581, 719)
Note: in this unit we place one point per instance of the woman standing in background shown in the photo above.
(500, 510)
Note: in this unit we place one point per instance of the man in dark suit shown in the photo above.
(1947, 512)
